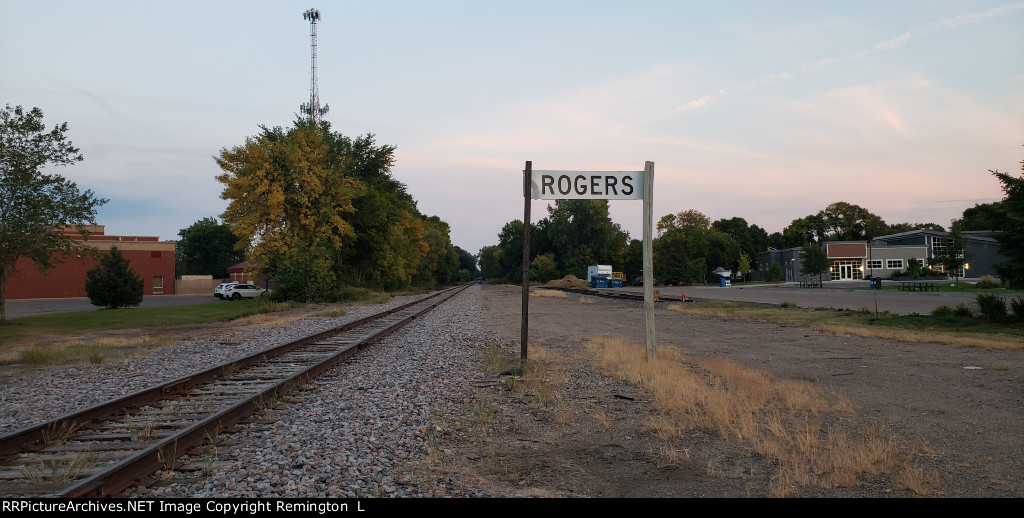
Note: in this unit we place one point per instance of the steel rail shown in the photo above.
(136, 468)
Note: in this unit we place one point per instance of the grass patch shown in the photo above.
(805, 431)
(94, 351)
(548, 293)
(947, 327)
(365, 295)
(43, 339)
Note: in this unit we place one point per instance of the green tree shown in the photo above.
(579, 233)
(744, 266)
(489, 262)
(207, 247)
(1009, 232)
(809, 229)
(953, 254)
(848, 222)
(305, 274)
(813, 260)
(37, 209)
(751, 238)
(681, 249)
(775, 272)
(543, 268)
(914, 268)
(898, 228)
(468, 269)
(286, 190)
(113, 283)
(984, 216)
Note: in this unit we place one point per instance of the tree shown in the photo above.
(953, 254)
(751, 238)
(813, 260)
(287, 191)
(1009, 232)
(848, 222)
(685, 254)
(207, 248)
(542, 268)
(579, 233)
(37, 209)
(744, 266)
(809, 229)
(113, 283)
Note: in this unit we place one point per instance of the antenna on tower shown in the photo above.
(312, 109)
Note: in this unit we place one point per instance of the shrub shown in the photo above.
(113, 283)
(1017, 304)
(963, 311)
(987, 282)
(992, 307)
(304, 275)
(942, 311)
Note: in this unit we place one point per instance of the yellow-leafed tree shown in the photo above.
(288, 192)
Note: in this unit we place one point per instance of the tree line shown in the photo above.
(688, 246)
(317, 211)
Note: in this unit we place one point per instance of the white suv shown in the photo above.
(238, 291)
(219, 290)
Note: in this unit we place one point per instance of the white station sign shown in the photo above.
(587, 185)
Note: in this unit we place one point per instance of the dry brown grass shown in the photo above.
(586, 300)
(602, 419)
(548, 293)
(95, 350)
(790, 421)
(822, 321)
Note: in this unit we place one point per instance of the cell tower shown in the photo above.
(312, 109)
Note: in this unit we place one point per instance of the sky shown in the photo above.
(768, 111)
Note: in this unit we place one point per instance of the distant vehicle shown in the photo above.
(243, 291)
(219, 290)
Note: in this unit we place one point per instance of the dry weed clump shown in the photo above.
(98, 350)
(790, 421)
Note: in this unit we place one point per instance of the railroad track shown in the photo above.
(104, 449)
(604, 294)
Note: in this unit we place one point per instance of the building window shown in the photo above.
(846, 269)
(158, 285)
(874, 263)
(894, 264)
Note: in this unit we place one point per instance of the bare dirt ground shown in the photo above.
(963, 408)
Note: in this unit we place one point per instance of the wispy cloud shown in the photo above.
(964, 19)
(696, 103)
(883, 46)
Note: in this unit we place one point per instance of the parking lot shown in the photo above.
(839, 295)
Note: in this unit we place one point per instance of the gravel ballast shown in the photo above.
(361, 430)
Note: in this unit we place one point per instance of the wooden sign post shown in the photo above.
(591, 185)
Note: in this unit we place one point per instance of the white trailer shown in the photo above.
(598, 269)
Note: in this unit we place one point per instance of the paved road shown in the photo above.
(898, 302)
(28, 307)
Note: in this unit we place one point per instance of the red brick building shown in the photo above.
(153, 260)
